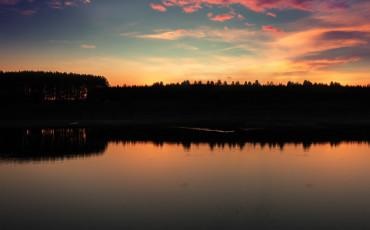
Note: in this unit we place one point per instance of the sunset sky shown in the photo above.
(145, 41)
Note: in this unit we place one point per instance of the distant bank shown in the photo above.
(45, 99)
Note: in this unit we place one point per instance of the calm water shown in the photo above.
(147, 186)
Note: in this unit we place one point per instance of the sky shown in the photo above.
(146, 41)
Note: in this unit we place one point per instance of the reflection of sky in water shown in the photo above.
(144, 186)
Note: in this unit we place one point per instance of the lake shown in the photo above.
(150, 185)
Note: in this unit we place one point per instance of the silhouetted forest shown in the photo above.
(62, 99)
(39, 87)
(212, 95)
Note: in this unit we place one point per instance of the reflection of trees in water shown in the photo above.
(48, 144)
(242, 145)
(22, 145)
(238, 139)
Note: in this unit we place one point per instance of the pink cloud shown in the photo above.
(191, 9)
(190, 6)
(221, 17)
(271, 29)
(158, 7)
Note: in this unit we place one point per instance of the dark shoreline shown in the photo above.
(248, 111)
(260, 131)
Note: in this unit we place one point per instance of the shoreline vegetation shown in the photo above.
(65, 100)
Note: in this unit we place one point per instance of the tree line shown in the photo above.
(256, 83)
(219, 93)
(47, 86)
(40, 87)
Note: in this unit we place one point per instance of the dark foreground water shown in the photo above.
(143, 185)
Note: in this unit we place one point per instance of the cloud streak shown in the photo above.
(29, 7)
(190, 6)
(221, 17)
(88, 46)
(230, 35)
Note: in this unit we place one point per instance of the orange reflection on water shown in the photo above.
(143, 184)
(321, 164)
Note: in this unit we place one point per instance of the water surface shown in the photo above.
(143, 185)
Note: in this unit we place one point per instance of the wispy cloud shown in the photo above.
(28, 7)
(271, 14)
(190, 6)
(226, 34)
(186, 47)
(221, 17)
(88, 46)
(172, 34)
(60, 4)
